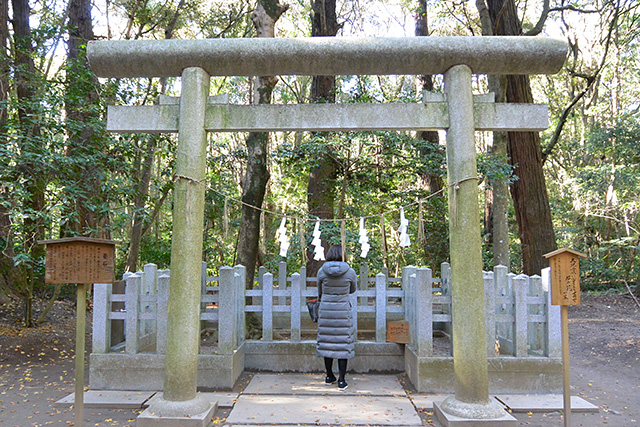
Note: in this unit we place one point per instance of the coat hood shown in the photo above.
(335, 268)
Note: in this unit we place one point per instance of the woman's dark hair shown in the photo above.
(334, 253)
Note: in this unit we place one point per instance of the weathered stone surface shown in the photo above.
(196, 412)
(327, 117)
(324, 410)
(544, 403)
(183, 314)
(313, 384)
(112, 399)
(452, 420)
(326, 56)
(506, 374)
(469, 329)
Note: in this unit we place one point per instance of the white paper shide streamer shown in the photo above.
(318, 250)
(281, 236)
(364, 240)
(405, 241)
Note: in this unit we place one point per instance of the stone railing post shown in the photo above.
(490, 311)
(227, 334)
(239, 274)
(161, 312)
(423, 312)
(132, 304)
(267, 307)
(363, 282)
(381, 307)
(408, 303)
(295, 307)
(445, 285)
(521, 314)
(101, 322)
(282, 281)
(149, 284)
(554, 336)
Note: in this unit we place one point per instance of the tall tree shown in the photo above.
(85, 152)
(30, 167)
(427, 143)
(321, 187)
(255, 180)
(529, 191)
(497, 194)
(144, 173)
(6, 236)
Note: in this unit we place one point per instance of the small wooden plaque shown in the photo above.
(565, 276)
(80, 260)
(398, 331)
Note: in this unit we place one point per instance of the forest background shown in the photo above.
(575, 185)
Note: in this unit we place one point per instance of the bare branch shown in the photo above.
(590, 81)
(537, 29)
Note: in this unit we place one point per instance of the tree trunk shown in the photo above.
(497, 195)
(139, 204)
(435, 249)
(529, 191)
(29, 167)
(6, 235)
(137, 229)
(84, 143)
(254, 183)
(320, 190)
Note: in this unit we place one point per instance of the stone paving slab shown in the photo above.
(313, 384)
(426, 401)
(111, 399)
(225, 399)
(543, 403)
(448, 420)
(323, 410)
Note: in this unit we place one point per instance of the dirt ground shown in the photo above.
(37, 368)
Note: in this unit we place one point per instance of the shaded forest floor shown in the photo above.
(37, 367)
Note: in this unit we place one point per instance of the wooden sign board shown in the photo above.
(398, 331)
(80, 260)
(565, 276)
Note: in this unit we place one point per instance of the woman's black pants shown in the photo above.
(342, 367)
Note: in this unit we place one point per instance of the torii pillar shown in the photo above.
(455, 57)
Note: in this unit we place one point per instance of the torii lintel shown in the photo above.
(323, 56)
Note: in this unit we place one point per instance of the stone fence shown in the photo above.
(523, 338)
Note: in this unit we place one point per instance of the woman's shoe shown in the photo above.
(330, 380)
(342, 385)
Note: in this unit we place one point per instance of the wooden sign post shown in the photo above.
(565, 291)
(83, 261)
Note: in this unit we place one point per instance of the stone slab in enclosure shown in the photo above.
(313, 384)
(451, 420)
(111, 399)
(323, 410)
(543, 403)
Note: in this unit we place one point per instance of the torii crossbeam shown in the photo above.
(455, 57)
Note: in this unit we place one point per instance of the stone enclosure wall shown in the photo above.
(129, 329)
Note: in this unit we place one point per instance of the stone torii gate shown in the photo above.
(458, 112)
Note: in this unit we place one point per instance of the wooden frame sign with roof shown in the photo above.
(82, 261)
(79, 260)
(565, 276)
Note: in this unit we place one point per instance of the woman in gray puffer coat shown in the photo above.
(336, 340)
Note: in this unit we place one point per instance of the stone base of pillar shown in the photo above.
(473, 415)
(191, 413)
